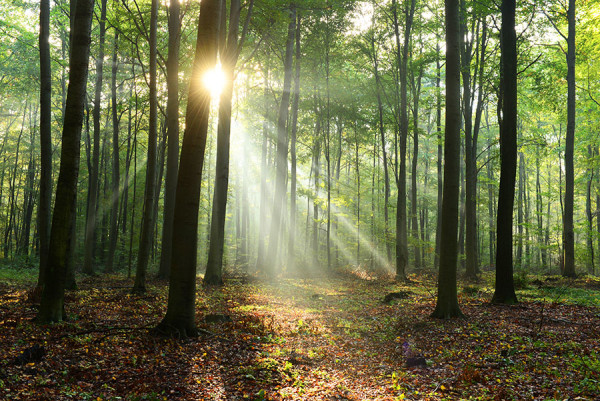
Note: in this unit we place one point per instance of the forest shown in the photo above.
(299, 199)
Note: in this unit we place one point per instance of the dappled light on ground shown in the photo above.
(323, 338)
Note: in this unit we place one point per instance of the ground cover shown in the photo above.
(324, 338)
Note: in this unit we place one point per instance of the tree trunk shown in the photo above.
(52, 303)
(589, 215)
(44, 208)
(179, 319)
(150, 189)
(229, 55)
(90, 225)
(568, 233)
(282, 149)
(114, 198)
(447, 299)
(505, 290)
(172, 139)
(438, 123)
(401, 218)
(264, 197)
(294, 130)
(386, 176)
(416, 89)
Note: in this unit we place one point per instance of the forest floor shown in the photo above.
(325, 338)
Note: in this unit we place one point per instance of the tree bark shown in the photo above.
(282, 149)
(568, 233)
(172, 138)
(52, 303)
(44, 208)
(179, 319)
(146, 235)
(447, 299)
(401, 218)
(114, 198)
(229, 55)
(504, 288)
(294, 131)
(90, 225)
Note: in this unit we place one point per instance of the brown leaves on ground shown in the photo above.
(326, 338)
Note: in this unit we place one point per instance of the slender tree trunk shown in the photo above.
(294, 130)
(447, 299)
(146, 236)
(229, 55)
(282, 148)
(114, 198)
(264, 197)
(590, 217)
(172, 138)
(401, 218)
(438, 123)
(386, 192)
(519, 262)
(416, 89)
(505, 290)
(568, 233)
(44, 208)
(179, 319)
(52, 303)
(90, 226)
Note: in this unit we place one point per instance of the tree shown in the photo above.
(179, 319)
(293, 157)
(505, 292)
(229, 55)
(282, 147)
(90, 225)
(172, 138)
(52, 303)
(402, 53)
(44, 208)
(114, 198)
(447, 299)
(568, 232)
(150, 188)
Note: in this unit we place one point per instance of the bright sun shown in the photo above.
(214, 81)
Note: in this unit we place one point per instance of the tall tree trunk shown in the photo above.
(114, 198)
(294, 130)
(539, 211)
(52, 303)
(386, 176)
(229, 56)
(505, 290)
(520, 204)
(568, 233)
(264, 197)
(172, 139)
(401, 218)
(282, 148)
(447, 299)
(44, 208)
(416, 89)
(90, 225)
(438, 124)
(146, 236)
(179, 319)
(589, 215)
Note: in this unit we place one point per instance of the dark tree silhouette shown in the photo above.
(447, 300)
(52, 303)
(505, 290)
(179, 319)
